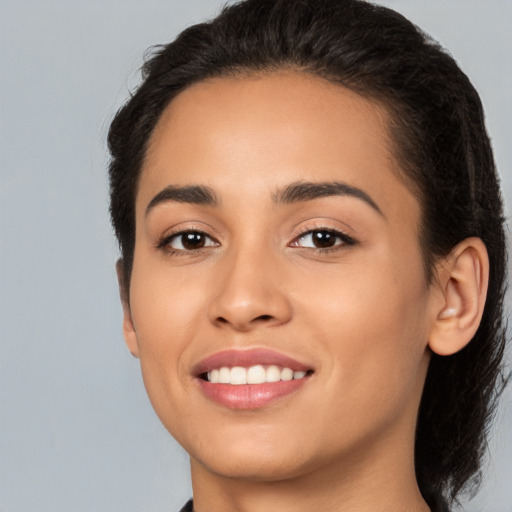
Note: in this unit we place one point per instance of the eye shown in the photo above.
(188, 241)
(322, 239)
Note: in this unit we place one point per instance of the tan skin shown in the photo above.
(358, 309)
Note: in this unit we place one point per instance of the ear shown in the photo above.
(463, 278)
(129, 333)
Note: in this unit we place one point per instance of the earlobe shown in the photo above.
(129, 333)
(463, 279)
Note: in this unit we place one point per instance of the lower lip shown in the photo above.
(250, 396)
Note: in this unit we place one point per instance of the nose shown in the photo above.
(249, 294)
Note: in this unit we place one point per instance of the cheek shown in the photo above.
(165, 305)
(165, 323)
(165, 313)
(372, 324)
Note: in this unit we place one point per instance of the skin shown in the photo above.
(361, 314)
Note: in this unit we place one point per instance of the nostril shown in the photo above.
(263, 317)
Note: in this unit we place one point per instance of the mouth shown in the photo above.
(250, 379)
(257, 374)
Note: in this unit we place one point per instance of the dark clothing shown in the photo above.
(189, 507)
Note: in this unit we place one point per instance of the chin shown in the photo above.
(257, 468)
(250, 457)
(261, 460)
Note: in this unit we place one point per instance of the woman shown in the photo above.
(313, 258)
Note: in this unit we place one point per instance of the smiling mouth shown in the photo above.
(257, 374)
(250, 379)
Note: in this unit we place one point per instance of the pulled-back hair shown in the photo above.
(440, 142)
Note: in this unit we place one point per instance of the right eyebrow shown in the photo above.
(308, 191)
(194, 194)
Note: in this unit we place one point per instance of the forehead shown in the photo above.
(278, 108)
(268, 130)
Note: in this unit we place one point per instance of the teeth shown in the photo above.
(238, 375)
(286, 374)
(224, 375)
(273, 374)
(254, 375)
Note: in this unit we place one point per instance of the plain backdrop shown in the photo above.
(77, 432)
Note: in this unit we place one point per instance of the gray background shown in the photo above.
(76, 430)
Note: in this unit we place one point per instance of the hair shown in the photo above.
(439, 139)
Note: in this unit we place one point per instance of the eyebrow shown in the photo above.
(194, 194)
(308, 191)
(294, 193)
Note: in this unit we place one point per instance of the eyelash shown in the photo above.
(345, 239)
(164, 244)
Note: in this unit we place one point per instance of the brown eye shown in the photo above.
(190, 240)
(322, 239)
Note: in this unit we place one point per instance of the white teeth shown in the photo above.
(273, 374)
(238, 375)
(224, 375)
(254, 375)
(286, 374)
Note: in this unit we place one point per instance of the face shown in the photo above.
(275, 245)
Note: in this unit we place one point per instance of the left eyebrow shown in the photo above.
(307, 191)
(194, 194)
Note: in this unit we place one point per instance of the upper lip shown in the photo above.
(247, 358)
